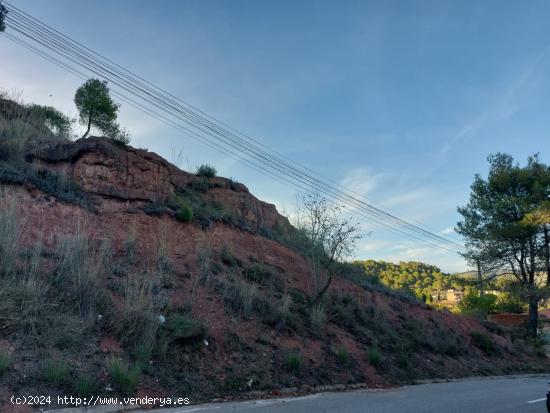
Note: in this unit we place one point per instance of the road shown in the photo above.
(509, 395)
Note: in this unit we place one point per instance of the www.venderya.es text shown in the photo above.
(99, 401)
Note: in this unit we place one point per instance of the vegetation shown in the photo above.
(484, 342)
(294, 362)
(374, 356)
(327, 238)
(206, 171)
(506, 225)
(5, 361)
(97, 109)
(56, 372)
(423, 280)
(124, 378)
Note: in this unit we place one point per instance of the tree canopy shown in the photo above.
(97, 109)
(505, 224)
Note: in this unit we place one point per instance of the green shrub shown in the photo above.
(342, 355)
(184, 213)
(124, 378)
(258, 273)
(484, 342)
(56, 372)
(317, 319)
(229, 259)
(207, 171)
(5, 361)
(85, 386)
(478, 306)
(241, 297)
(294, 362)
(374, 356)
(183, 327)
(183, 208)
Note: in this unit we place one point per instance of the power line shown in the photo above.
(68, 49)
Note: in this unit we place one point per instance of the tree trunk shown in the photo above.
(533, 312)
(89, 127)
(479, 279)
(324, 289)
(547, 254)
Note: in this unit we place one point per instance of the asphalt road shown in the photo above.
(519, 395)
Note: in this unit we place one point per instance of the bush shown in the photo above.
(478, 306)
(56, 372)
(241, 296)
(229, 259)
(207, 171)
(342, 355)
(484, 342)
(258, 273)
(124, 379)
(5, 361)
(85, 386)
(184, 213)
(184, 210)
(183, 327)
(294, 362)
(10, 234)
(374, 356)
(317, 318)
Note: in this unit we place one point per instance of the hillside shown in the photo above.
(122, 274)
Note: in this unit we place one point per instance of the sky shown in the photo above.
(400, 101)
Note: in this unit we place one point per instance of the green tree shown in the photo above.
(97, 109)
(497, 225)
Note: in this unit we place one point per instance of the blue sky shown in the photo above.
(401, 101)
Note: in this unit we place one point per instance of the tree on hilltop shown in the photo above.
(97, 109)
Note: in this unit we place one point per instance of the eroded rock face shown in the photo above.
(106, 170)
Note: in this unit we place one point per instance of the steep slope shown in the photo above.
(189, 281)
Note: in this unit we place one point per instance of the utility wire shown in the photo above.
(44, 37)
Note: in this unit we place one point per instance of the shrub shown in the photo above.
(294, 362)
(136, 323)
(124, 378)
(374, 356)
(184, 213)
(183, 327)
(10, 233)
(85, 386)
(229, 259)
(241, 296)
(184, 210)
(478, 306)
(5, 361)
(483, 342)
(317, 318)
(56, 372)
(258, 273)
(342, 355)
(207, 171)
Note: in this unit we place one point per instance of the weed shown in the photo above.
(241, 296)
(85, 386)
(124, 378)
(317, 318)
(294, 362)
(229, 259)
(483, 342)
(5, 361)
(342, 355)
(374, 356)
(184, 328)
(56, 372)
